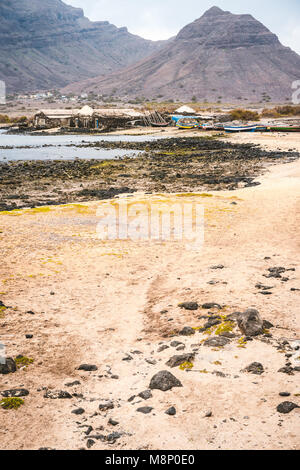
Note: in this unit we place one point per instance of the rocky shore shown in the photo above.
(165, 165)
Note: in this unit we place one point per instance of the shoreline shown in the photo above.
(171, 165)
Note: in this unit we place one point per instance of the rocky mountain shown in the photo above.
(220, 56)
(48, 44)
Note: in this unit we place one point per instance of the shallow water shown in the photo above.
(60, 149)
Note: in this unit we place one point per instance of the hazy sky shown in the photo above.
(161, 19)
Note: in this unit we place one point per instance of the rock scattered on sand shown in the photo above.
(162, 348)
(151, 361)
(176, 361)
(267, 325)
(286, 407)
(145, 395)
(164, 381)
(263, 287)
(250, 322)
(219, 266)
(175, 344)
(88, 367)
(72, 384)
(255, 368)
(106, 405)
(127, 358)
(189, 305)
(187, 331)
(8, 367)
(145, 410)
(275, 272)
(211, 322)
(287, 370)
(78, 411)
(57, 394)
(209, 305)
(208, 414)
(90, 443)
(217, 341)
(15, 392)
(284, 394)
(112, 422)
(171, 411)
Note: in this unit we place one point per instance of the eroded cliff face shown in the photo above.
(48, 44)
(220, 56)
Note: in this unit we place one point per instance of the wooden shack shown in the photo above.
(86, 118)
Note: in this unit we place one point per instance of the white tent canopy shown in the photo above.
(185, 110)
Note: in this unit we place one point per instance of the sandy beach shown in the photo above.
(114, 304)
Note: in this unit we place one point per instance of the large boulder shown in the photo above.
(250, 322)
(164, 381)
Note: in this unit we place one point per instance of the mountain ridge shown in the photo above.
(49, 44)
(218, 56)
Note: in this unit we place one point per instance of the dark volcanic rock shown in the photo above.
(287, 370)
(8, 367)
(57, 394)
(286, 407)
(88, 367)
(211, 305)
(164, 381)
(176, 361)
(187, 331)
(78, 411)
(216, 341)
(267, 325)
(15, 392)
(145, 410)
(106, 405)
(175, 344)
(162, 348)
(255, 368)
(171, 411)
(189, 305)
(145, 395)
(250, 322)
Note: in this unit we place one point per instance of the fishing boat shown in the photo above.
(261, 129)
(240, 128)
(212, 127)
(187, 123)
(284, 129)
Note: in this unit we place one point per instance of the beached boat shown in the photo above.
(240, 128)
(284, 129)
(187, 124)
